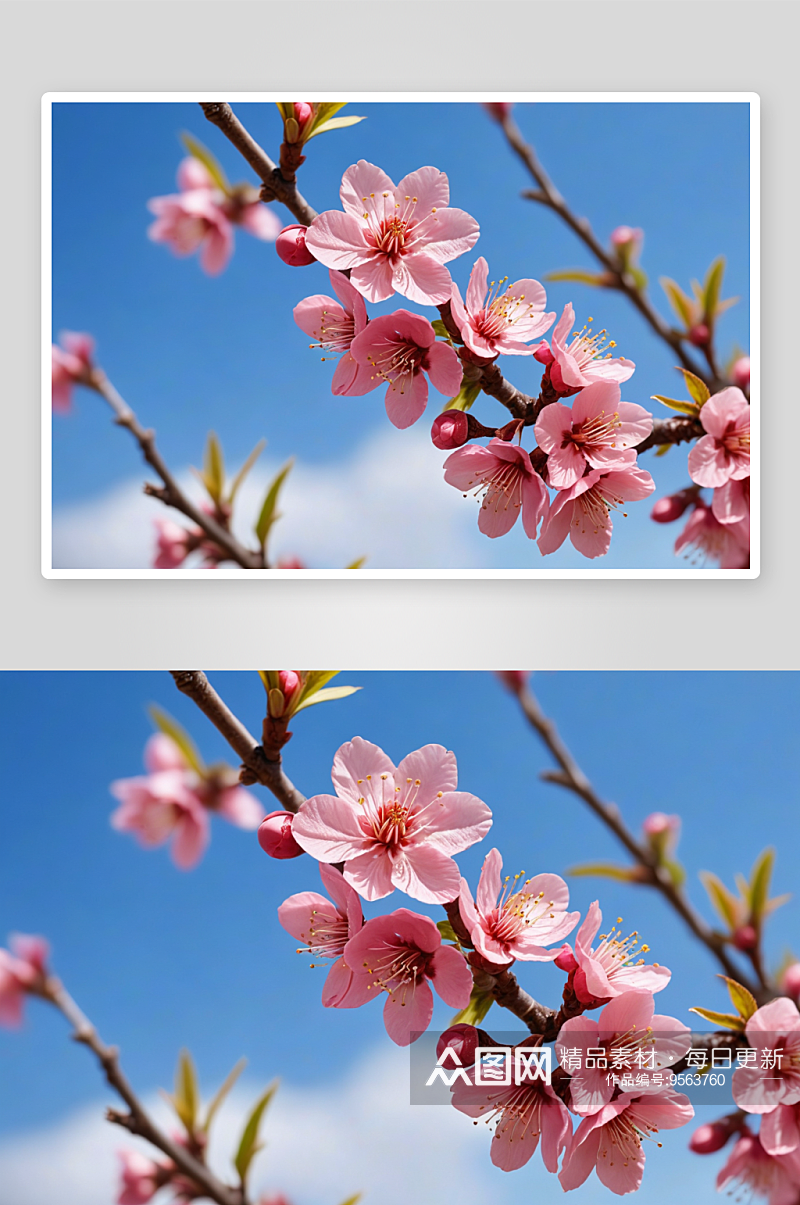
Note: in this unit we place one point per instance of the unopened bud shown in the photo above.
(790, 980)
(745, 938)
(513, 679)
(290, 682)
(710, 1137)
(291, 247)
(699, 334)
(740, 373)
(275, 836)
(450, 430)
(565, 960)
(668, 509)
(498, 109)
(294, 127)
(463, 1040)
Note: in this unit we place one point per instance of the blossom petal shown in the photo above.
(456, 821)
(337, 240)
(433, 766)
(261, 221)
(408, 1012)
(444, 369)
(422, 278)
(241, 808)
(296, 914)
(370, 874)
(327, 827)
(426, 873)
(374, 279)
(311, 311)
(359, 187)
(468, 466)
(343, 989)
(190, 840)
(489, 882)
(217, 249)
(476, 289)
(428, 186)
(709, 464)
(406, 404)
(357, 766)
(451, 976)
(447, 234)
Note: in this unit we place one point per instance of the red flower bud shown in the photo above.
(275, 836)
(450, 430)
(498, 109)
(790, 980)
(668, 509)
(463, 1040)
(745, 938)
(291, 247)
(513, 679)
(740, 373)
(710, 1137)
(699, 334)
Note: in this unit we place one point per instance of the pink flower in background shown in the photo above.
(708, 539)
(583, 359)
(399, 349)
(583, 512)
(629, 237)
(790, 980)
(504, 323)
(612, 1141)
(513, 919)
(172, 800)
(724, 453)
(172, 544)
(780, 1131)
(333, 327)
(325, 928)
(395, 239)
(749, 1167)
(21, 967)
(525, 1113)
(503, 474)
(731, 502)
(626, 1026)
(72, 365)
(740, 373)
(398, 954)
(141, 1178)
(774, 1026)
(394, 826)
(612, 967)
(600, 431)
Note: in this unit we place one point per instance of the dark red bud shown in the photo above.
(745, 938)
(275, 836)
(710, 1137)
(699, 334)
(668, 509)
(450, 430)
(291, 247)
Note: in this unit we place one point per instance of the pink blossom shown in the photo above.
(780, 1130)
(600, 431)
(333, 327)
(72, 364)
(275, 836)
(399, 349)
(730, 502)
(706, 538)
(583, 512)
(141, 1178)
(325, 928)
(291, 246)
(398, 954)
(750, 1167)
(662, 833)
(584, 359)
(501, 472)
(513, 919)
(525, 1113)
(740, 373)
(394, 826)
(173, 544)
(625, 1030)
(790, 980)
(612, 1140)
(774, 1026)
(500, 323)
(395, 239)
(671, 507)
(291, 563)
(450, 430)
(172, 800)
(612, 967)
(724, 453)
(21, 968)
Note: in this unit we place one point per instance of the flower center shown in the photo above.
(586, 347)
(735, 440)
(498, 487)
(599, 431)
(392, 232)
(327, 935)
(516, 910)
(595, 506)
(396, 360)
(397, 970)
(336, 332)
(615, 951)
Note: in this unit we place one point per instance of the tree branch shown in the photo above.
(571, 777)
(137, 1120)
(171, 494)
(268, 772)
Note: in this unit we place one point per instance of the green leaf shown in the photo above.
(269, 514)
(362, 560)
(447, 931)
(354, 1199)
(171, 728)
(681, 304)
(187, 1095)
(606, 870)
(726, 1020)
(465, 396)
(222, 1092)
(198, 151)
(214, 468)
(759, 883)
(336, 123)
(476, 1010)
(578, 276)
(778, 902)
(662, 449)
(245, 469)
(249, 1145)
(285, 108)
(440, 328)
(674, 404)
(327, 696)
(697, 388)
(639, 278)
(315, 678)
(328, 108)
(712, 286)
(723, 900)
(742, 1000)
(676, 872)
(269, 679)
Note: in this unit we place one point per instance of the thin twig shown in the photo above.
(572, 778)
(137, 1120)
(170, 494)
(268, 772)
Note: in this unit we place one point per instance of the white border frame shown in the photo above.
(750, 98)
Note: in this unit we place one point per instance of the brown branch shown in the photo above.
(548, 195)
(276, 187)
(671, 431)
(268, 772)
(571, 777)
(170, 494)
(137, 1120)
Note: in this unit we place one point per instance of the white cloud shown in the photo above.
(387, 502)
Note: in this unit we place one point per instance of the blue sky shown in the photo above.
(192, 353)
(161, 959)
